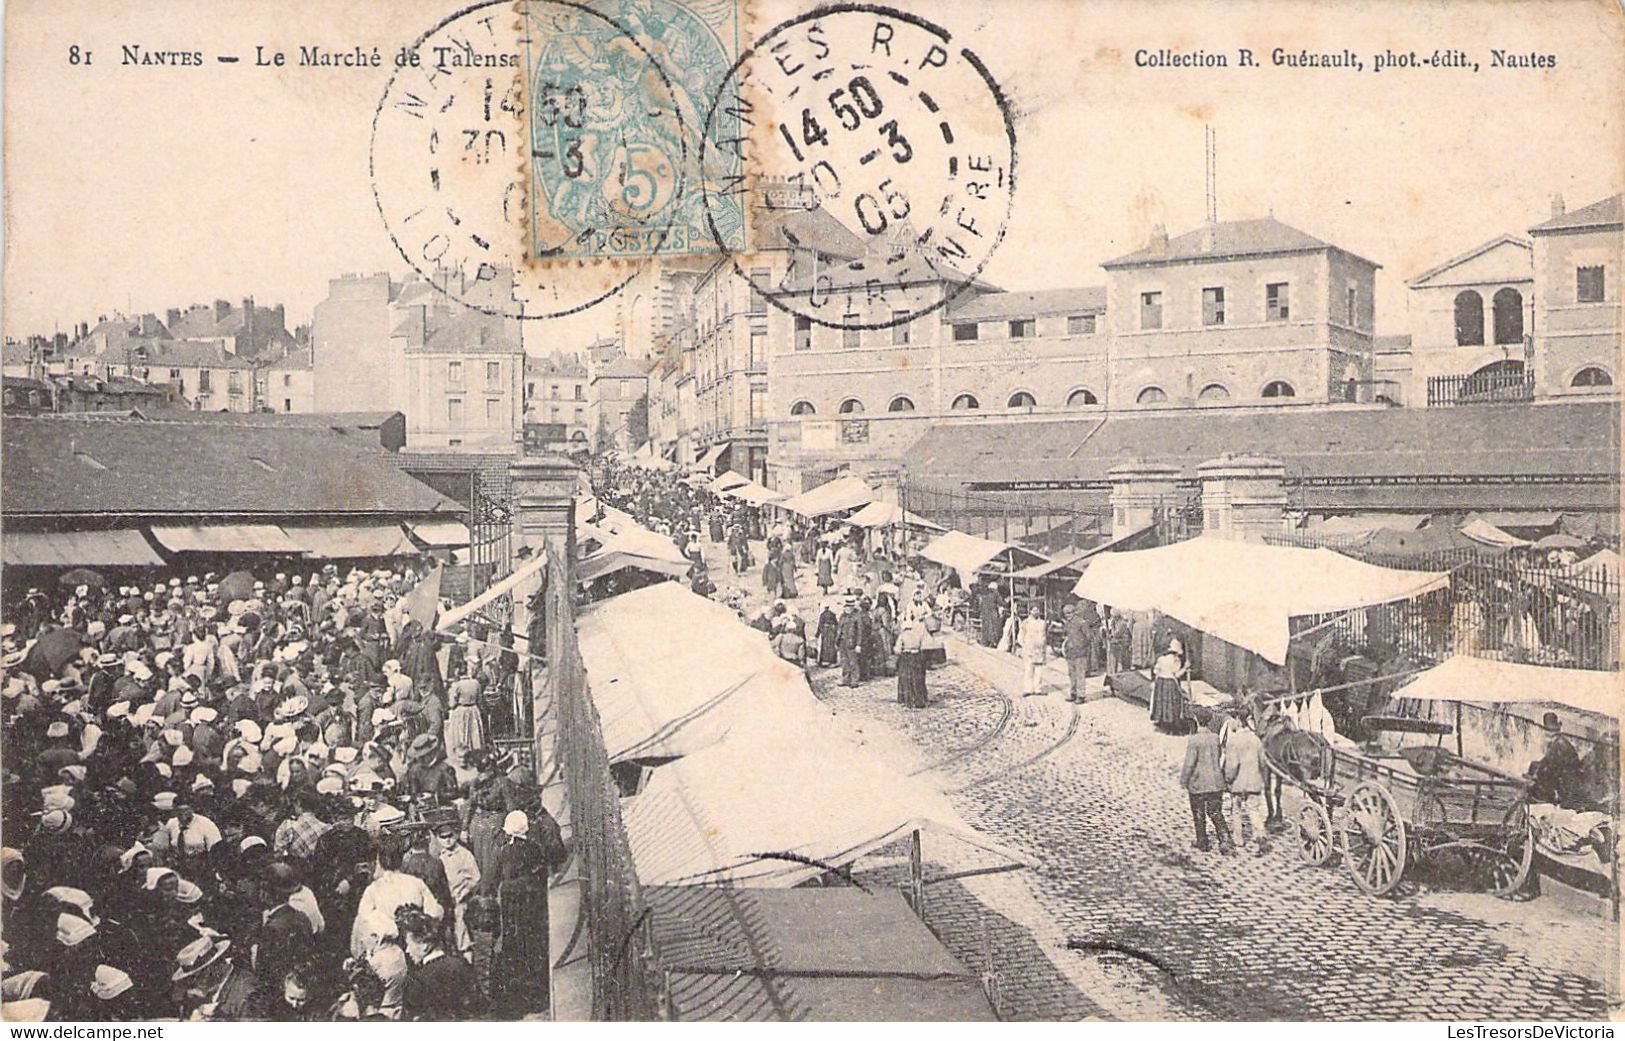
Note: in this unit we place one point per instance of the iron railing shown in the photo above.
(1502, 605)
(626, 983)
(1481, 388)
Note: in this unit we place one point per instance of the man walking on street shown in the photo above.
(1202, 776)
(1243, 757)
(1076, 644)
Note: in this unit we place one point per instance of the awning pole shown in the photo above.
(916, 874)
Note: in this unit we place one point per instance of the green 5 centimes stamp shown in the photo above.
(615, 91)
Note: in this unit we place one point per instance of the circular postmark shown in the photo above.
(515, 145)
(879, 166)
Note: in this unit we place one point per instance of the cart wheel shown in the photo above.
(1373, 839)
(1316, 841)
(1509, 866)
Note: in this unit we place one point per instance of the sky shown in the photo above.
(139, 189)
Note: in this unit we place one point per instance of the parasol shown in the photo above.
(82, 576)
(239, 585)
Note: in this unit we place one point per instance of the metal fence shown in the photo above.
(626, 983)
(1502, 606)
(1046, 522)
(1481, 388)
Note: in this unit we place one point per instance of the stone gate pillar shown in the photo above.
(1243, 497)
(544, 494)
(1139, 489)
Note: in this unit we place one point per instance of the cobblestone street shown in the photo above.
(1091, 796)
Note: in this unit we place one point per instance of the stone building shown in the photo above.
(556, 398)
(1577, 258)
(455, 371)
(612, 393)
(1470, 317)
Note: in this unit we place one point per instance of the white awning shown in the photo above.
(672, 672)
(340, 541)
(118, 547)
(1465, 678)
(808, 795)
(882, 514)
(440, 534)
(712, 454)
(1480, 530)
(227, 538)
(598, 565)
(969, 554)
(754, 494)
(728, 479)
(1246, 592)
(843, 493)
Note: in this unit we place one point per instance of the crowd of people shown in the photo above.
(873, 616)
(273, 797)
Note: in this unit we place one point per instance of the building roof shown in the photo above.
(564, 366)
(463, 330)
(330, 420)
(64, 467)
(26, 383)
(1227, 240)
(1390, 452)
(82, 384)
(1604, 213)
(986, 306)
(814, 229)
(1478, 250)
(620, 368)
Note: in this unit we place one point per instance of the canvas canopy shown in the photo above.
(712, 454)
(118, 547)
(630, 546)
(1364, 524)
(1604, 563)
(753, 493)
(1480, 530)
(797, 792)
(672, 672)
(728, 479)
(1071, 565)
(232, 538)
(645, 458)
(1465, 678)
(339, 541)
(968, 554)
(882, 514)
(441, 534)
(843, 493)
(1245, 592)
(819, 953)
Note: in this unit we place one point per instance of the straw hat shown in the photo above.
(199, 955)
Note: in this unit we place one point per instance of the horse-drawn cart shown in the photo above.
(1385, 810)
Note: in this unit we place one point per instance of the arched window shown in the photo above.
(965, 402)
(1507, 307)
(1592, 376)
(1279, 389)
(802, 408)
(1151, 396)
(1082, 396)
(1021, 399)
(851, 405)
(1469, 319)
(1214, 392)
(901, 403)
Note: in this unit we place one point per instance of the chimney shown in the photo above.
(247, 334)
(1557, 205)
(221, 309)
(1159, 239)
(172, 317)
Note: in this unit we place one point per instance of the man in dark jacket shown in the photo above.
(440, 985)
(1202, 776)
(849, 643)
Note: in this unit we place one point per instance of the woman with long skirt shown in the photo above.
(910, 650)
(829, 629)
(1167, 693)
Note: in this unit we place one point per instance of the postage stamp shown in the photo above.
(614, 93)
(877, 161)
(449, 169)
